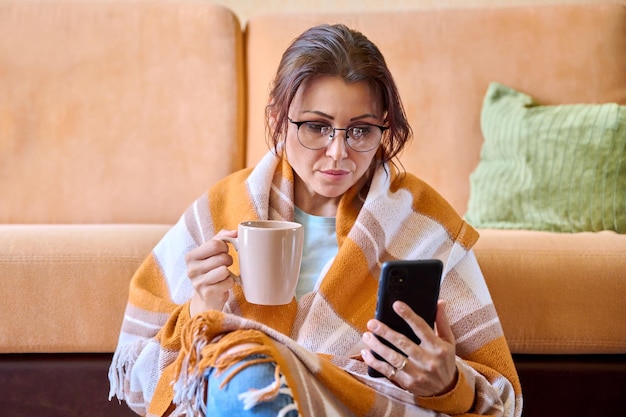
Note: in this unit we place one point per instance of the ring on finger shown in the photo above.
(403, 364)
(393, 373)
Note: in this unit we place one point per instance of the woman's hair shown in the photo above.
(337, 50)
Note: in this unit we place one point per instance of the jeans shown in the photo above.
(225, 402)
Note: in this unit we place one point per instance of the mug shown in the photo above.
(270, 253)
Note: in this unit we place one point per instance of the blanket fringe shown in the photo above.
(202, 349)
(190, 387)
(255, 396)
(123, 360)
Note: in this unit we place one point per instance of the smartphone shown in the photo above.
(416, 283)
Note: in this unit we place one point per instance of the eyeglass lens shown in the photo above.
(360, 138)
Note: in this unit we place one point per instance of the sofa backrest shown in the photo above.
(116, 112)
(444, 59)
(124, 112)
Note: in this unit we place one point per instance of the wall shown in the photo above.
(246, 8)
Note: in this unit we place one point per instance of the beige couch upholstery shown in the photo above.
(114, 116)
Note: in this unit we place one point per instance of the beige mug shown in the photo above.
(270, 253)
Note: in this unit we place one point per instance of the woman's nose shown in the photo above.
(338, 147)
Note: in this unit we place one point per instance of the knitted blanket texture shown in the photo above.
(162, 352)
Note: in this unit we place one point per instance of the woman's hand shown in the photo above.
(429, 368)
(207, 268)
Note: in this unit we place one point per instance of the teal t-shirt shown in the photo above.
(320, 247)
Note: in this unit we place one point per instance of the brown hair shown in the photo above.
(337, 50)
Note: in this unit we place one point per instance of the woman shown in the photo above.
(190, 343)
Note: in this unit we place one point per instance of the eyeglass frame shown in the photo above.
(331, 137)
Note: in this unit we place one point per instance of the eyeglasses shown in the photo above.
(362, 137)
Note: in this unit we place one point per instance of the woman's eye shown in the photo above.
(360, 131)
(318, 128)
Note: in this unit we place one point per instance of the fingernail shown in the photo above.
(372, 325)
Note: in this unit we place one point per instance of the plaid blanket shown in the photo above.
(162, 352)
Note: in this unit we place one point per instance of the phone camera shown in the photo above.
(396, 283)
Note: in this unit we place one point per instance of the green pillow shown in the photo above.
(557, 168)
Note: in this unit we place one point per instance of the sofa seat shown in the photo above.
(558, 293)
(68, 284)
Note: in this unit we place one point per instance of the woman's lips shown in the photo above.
(335, 174)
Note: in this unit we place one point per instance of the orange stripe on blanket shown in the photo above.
(428, 202)
(148, 288)
(348, 280)
(496, 355)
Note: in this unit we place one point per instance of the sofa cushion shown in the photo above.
(557, 293)
(66, 286)
(121, 111)
(567, 52)
(558, 168)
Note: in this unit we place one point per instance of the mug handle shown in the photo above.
(233, 241)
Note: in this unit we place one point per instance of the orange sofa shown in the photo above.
(114, 116)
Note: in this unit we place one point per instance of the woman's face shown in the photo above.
(322, 176)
